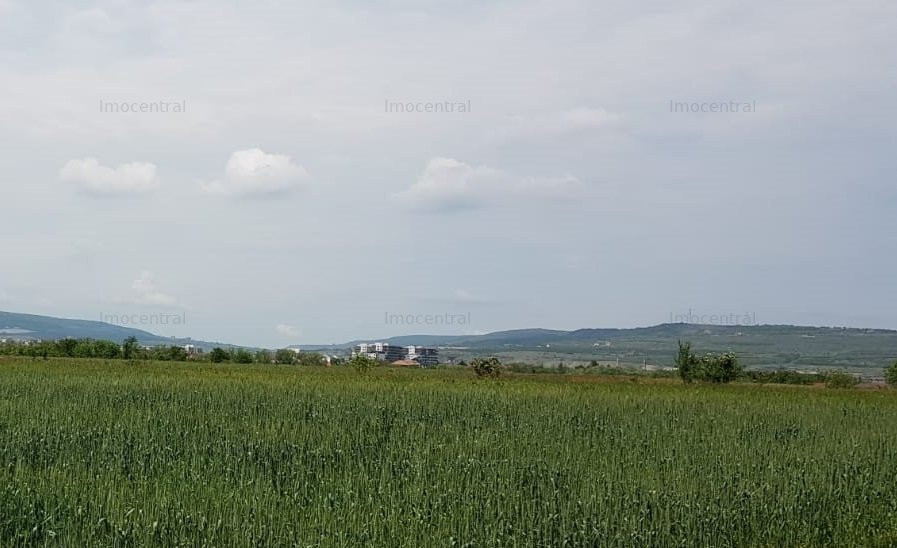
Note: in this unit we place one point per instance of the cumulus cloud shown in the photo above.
(89, 176)
(146, 292)
(253, 171)
(288, 330)
(449, 184)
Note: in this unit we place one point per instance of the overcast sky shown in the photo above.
(280, 200)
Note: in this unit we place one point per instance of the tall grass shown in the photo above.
(95, 453)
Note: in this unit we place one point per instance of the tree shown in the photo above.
(718, 368)
(218, 355)
(177, 353)
(486, 367)
(263, 356)
(241, 355)
(66, 347)
(285, 355)
(129, 348)
(840, 379)
(686, 361)
(891, 375)
(362, 363)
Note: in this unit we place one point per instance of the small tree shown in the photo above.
(718, 368)
(362, 363)
(486, 367)
(840, 379)
(891, 375)
(241, 355)
(129, 348)
(218, 355)
(686, 362)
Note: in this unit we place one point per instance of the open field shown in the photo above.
(95, 453)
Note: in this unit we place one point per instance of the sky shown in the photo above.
(322, 171)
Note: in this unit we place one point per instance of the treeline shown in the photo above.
(130, 349)
(282, 356)
(77, 348)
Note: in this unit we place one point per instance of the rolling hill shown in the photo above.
(864, 351)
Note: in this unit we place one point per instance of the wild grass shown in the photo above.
(104, 453)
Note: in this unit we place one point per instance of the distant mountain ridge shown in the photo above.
(762, 346)
(18, 326)
(542, 336)
(859, 350)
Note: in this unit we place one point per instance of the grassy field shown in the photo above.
(95, 453)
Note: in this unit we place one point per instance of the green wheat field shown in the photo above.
(163, 454)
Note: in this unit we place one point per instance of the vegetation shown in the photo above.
(91, 348)
(717, 368)
(96, 453)
(362, 363)
(891, 374)
(219, 355)
(840, 379)
(782, 377)
(486, 367)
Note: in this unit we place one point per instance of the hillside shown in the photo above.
(864, 351)
(761, 346)
(29, 326)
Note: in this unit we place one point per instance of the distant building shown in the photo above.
(393, 353)
(422, 355)
(192, 349)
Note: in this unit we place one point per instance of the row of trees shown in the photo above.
(282, 356)
(130, 349)
(90, 348)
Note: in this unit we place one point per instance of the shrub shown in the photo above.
(782, 376)
(486, 367)
(218, 355)
(285, 356)
(840, 379)
(686, 361)
(362, 363)
(718, 368)
(241, 355)
(891, 375)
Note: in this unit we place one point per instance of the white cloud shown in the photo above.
(94, 178)
(254, 171)
(288, 330)
(449, 184)
(146, 292)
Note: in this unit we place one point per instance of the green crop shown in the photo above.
(109, 453)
